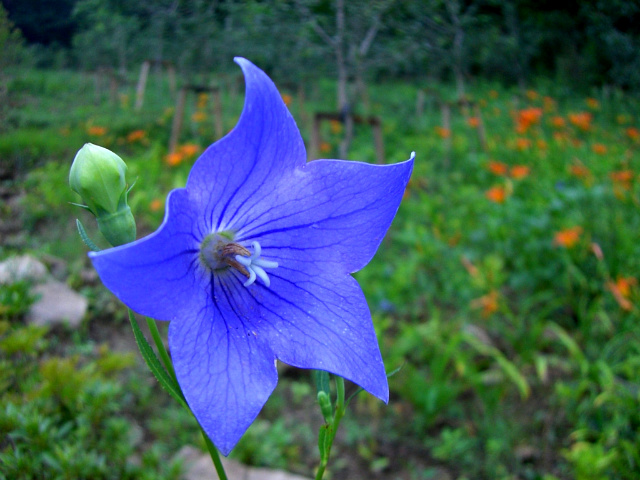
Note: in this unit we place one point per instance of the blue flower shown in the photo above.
(252, 264)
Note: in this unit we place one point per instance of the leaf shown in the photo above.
(85, 238)
(154, 364)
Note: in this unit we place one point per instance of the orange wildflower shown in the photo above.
(519, 172)
(531, 95)
(487, 303)
(523, 143)
(189, 149)
(633, 133)
(136, 135)
(496, 194)
(622, 178)
(568, 237)
(579, 171)
(202, 100)
(97, 131)
(621, 290)
(558, 122)
(497, 168)
(198, 116)
(287, 99)
(493, 94)
(474, 122)
(581, 120)
(599, 148)
(325, 147)
(156, 204)
(526, 118)
(541, 144)
(174, 159)
(335, 126)
(593, 104)
(442, 132)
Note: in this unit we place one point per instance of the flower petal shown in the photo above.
(264, 145)
(315, 321)
(338, 211)
(159, 275)
(224, 367)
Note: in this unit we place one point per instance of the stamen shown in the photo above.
(256, 265)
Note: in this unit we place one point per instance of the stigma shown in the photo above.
(255, 265)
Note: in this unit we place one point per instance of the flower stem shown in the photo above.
(333, 428)
(164, 355)
(213, 451)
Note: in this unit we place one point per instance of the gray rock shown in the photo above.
(22, 267)
(57, 304)
(199, 466)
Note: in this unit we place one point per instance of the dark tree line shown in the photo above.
(583, 43)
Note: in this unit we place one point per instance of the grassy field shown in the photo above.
(507, 287)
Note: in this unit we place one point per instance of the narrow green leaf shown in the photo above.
(154, 364)
(85, 238)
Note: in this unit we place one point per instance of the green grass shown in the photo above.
(521, 355)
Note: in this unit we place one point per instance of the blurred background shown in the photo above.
(506, 289)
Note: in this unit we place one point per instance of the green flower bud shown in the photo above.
(98, 176)
(325, 406)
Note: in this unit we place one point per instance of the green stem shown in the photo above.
(215, 456)
(164, 355)
(340, 411)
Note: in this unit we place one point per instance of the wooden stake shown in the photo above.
(176, 125)
(142, 83)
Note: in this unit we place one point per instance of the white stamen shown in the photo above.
(256, 265)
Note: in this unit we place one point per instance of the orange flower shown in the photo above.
(497, 168)
(579, 171)
(496, 194)
(287, 99)
(526, 118)
(493, 94)
(558, 122)
(202, 100)
(474, 122)
(335, 126)
(621, 290)
(97, 131)
(523, 143)
(325, 147)
(189, 149)
(541, 144)
(633, 133)
(593, 104)
(622, 179)
(531, 95)
(568, 237)
(599, 148)
(136, 135)
(488, 303)
(198, 116)
(443, 132)
(156, 205)
(581, 120)
(519, 172)
(174, 159)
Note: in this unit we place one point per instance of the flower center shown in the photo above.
(218, 251)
